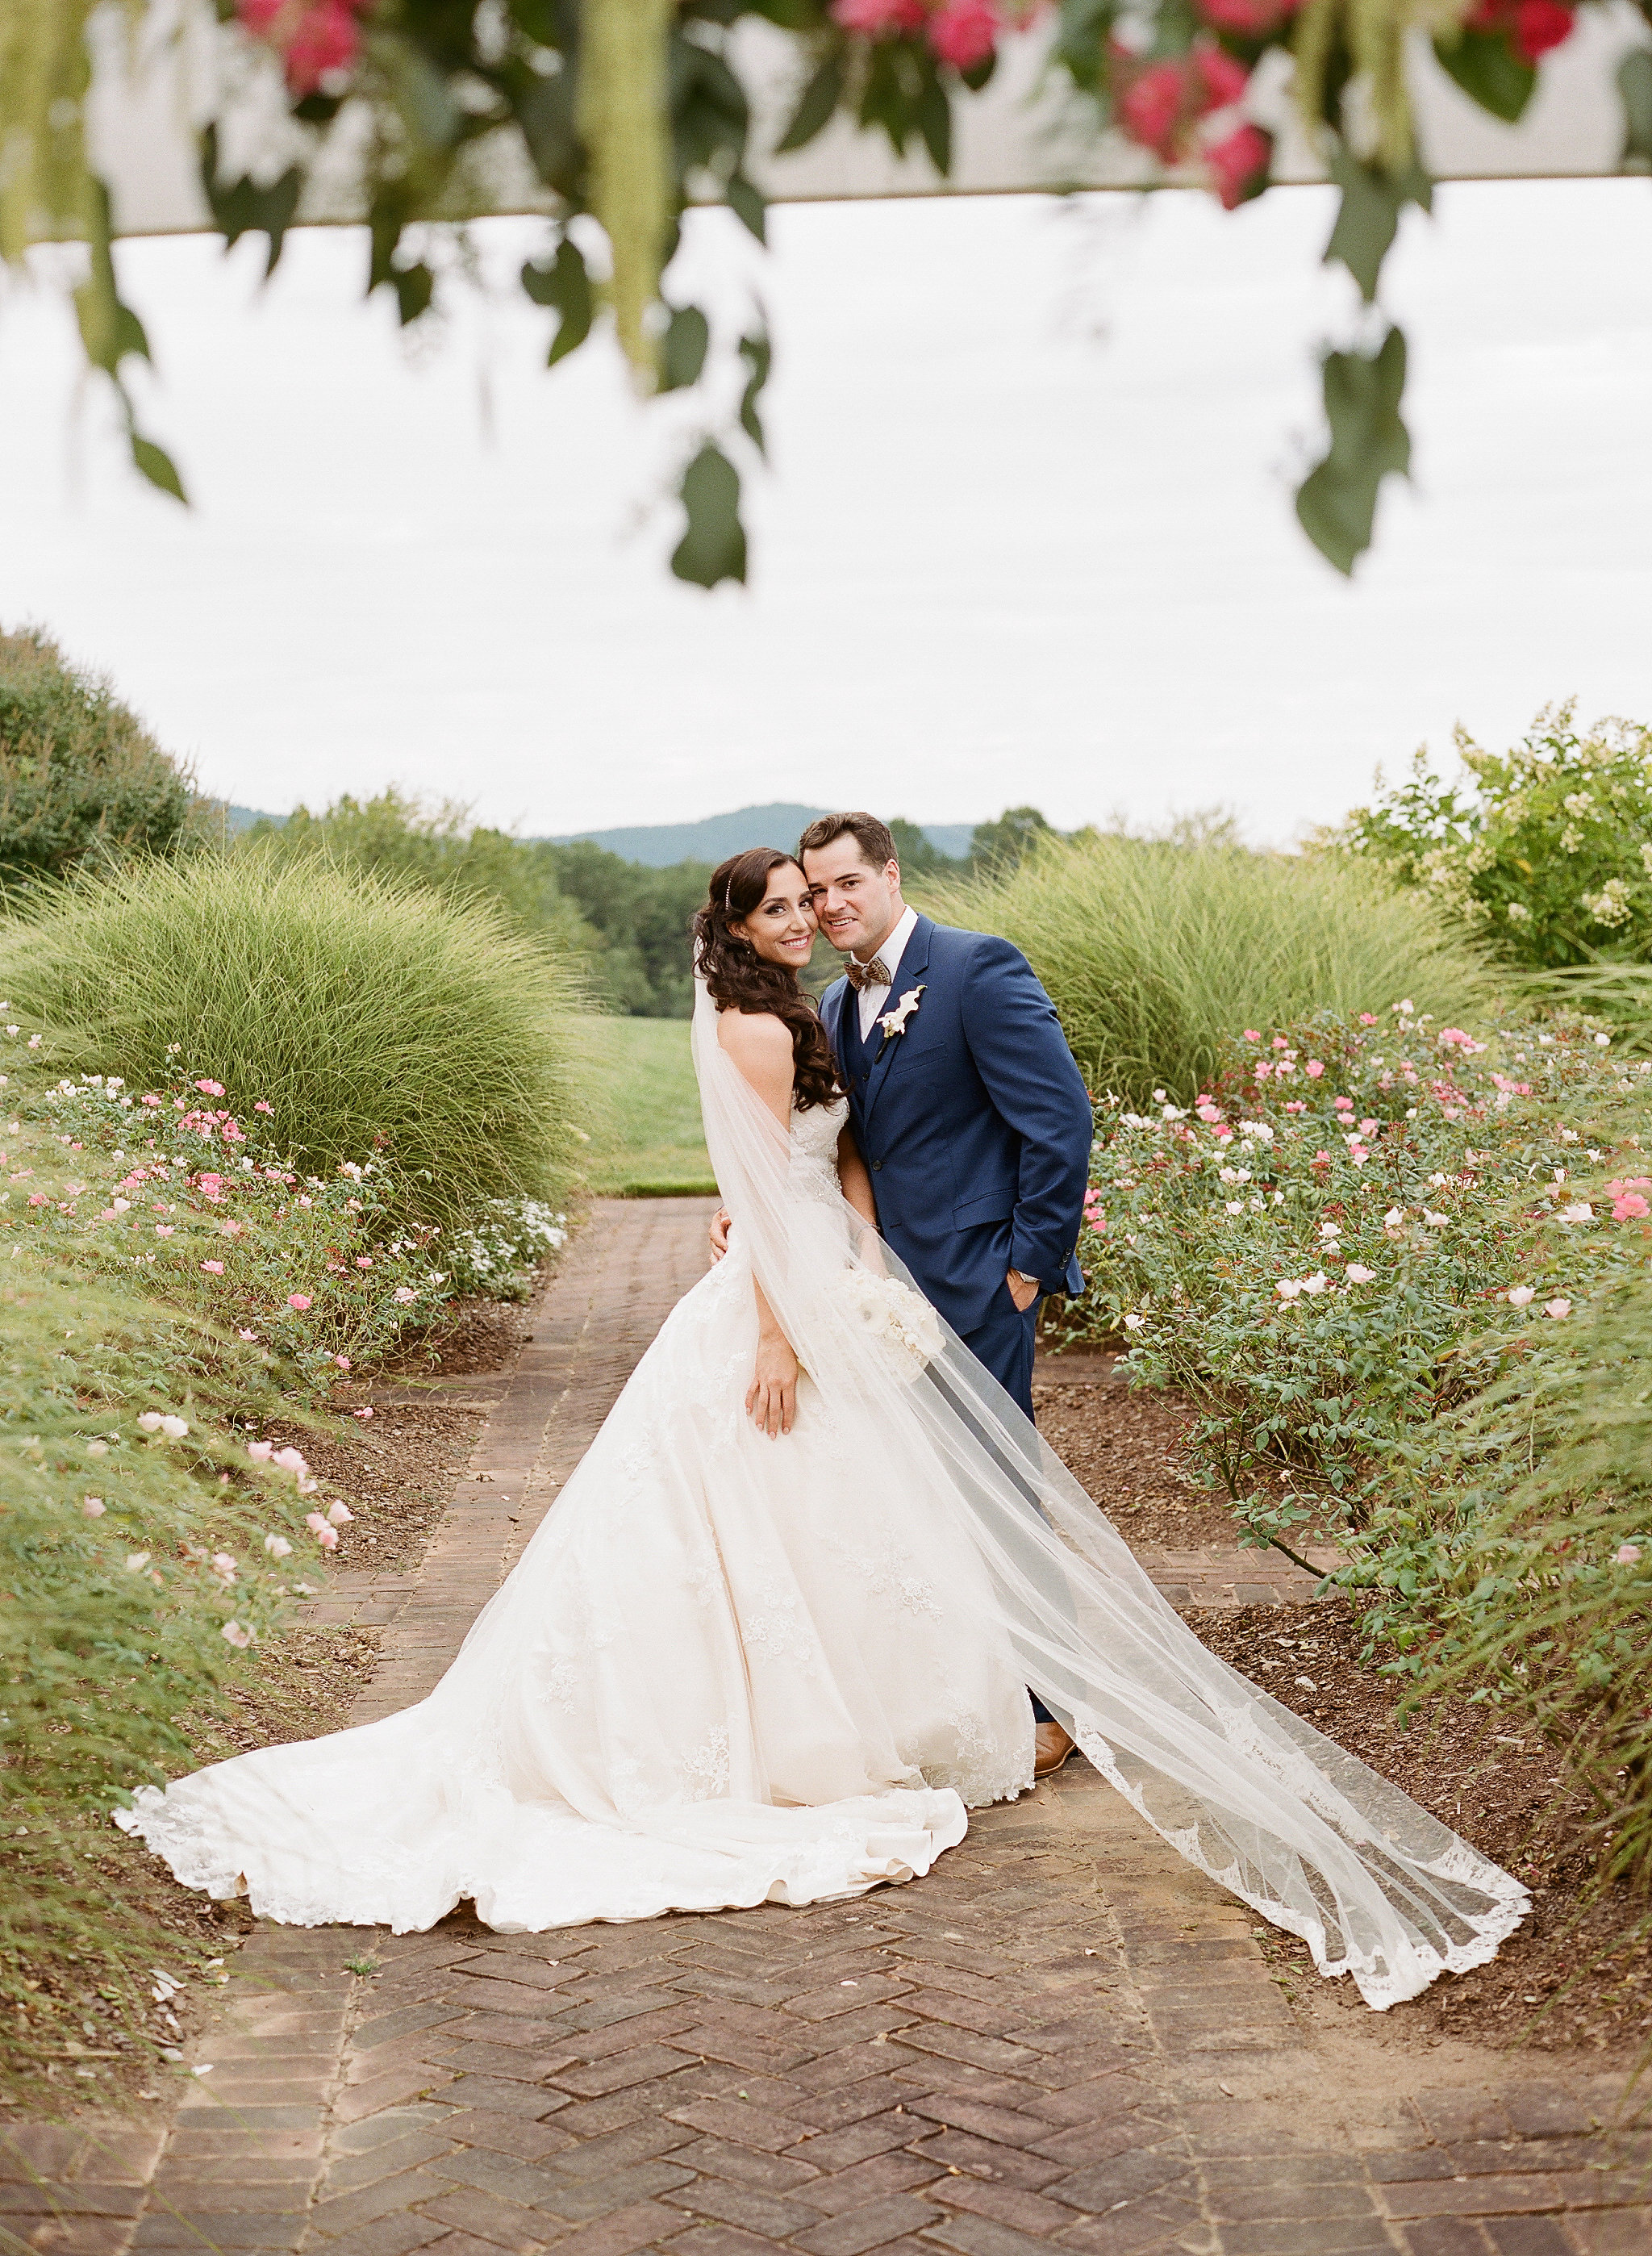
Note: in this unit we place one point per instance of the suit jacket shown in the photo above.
(974, 1121)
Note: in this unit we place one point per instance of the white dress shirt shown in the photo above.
(874, 999)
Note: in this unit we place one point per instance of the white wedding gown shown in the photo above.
(729, 1669)
(723, 1672)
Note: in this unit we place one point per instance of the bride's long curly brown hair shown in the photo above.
(739, 979)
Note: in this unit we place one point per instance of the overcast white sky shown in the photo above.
(1027, 534)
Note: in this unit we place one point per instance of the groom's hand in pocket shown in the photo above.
(718, 1235)
(1023, 1290)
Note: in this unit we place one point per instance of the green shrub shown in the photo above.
(1513, 1552)
(82, 780)
(1546, 852)
(1319, 1255)
(1409, 1272)
(1152, 953)
(376, 1021)
(396, 838)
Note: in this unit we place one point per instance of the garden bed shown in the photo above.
(1568, 1980)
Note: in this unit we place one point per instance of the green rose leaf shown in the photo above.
(1489, 70)
(819, 100)
(712, 548)
(687, 337)
(1370, 215)
(1336, 503)
(565, 286)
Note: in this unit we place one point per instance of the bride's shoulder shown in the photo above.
(756, 1036)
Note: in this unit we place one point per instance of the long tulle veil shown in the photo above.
(1243, 1788)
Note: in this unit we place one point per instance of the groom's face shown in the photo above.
(858, 905)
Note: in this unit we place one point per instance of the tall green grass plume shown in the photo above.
(361, 1017)
(1154, 953)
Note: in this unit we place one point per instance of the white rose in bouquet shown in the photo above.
(893, 1313)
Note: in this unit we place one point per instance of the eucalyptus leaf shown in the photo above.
(1336, 503)
(712, 548)
(748, 205)
(242, 207)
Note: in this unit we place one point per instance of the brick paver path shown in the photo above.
(1063, 2037)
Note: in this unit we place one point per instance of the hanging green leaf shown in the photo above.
(712, 548)
(748, 205)
(1337, 503)
(818, 101)
(1369, 217)
(758, 356)
(1488, 70)
(683, 354)
(1634, 84)
(242, 207)
(564, 285)
(157, 466)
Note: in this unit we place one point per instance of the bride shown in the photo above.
(776, 1636)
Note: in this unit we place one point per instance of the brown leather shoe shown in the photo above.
(1052, 1747)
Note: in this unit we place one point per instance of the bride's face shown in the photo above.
(783, 925)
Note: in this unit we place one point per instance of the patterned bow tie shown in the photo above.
(875, 973)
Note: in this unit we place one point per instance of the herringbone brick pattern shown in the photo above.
(1062, 2038)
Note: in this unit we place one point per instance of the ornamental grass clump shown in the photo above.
(1154, 953)
(373, 1021)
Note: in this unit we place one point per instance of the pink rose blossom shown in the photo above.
(1627, 1554)
(1367, 1017)
(210, 1087)
(878, 19)
(1557, 1307)
(314, 40)
(1225, 78)
(1343, 1104)
(1249, 19)
(363, 1260)
(232, 1633)
(1238, 163)
(213, 1268)
(1631, 1206)
(291, 1461)
(1251, 1034)
(339, 1514)
(298, 1300)
(261, 1452)
(1150, 113)
(1296, 1105)
(260, 1106)
(963, 33)
(1314, 1069)
(362, 1414)
(94, 1507)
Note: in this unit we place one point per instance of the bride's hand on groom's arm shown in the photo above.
(718, 1235)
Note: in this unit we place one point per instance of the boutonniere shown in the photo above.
(894, 1022)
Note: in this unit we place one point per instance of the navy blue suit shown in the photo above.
(976, 1126)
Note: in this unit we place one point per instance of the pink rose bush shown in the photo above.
(1321, 1272)
(961, 33)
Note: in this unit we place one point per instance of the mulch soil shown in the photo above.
(1578, 1975)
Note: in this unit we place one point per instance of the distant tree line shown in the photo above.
(82, 783)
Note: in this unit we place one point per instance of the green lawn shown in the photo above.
(647, 1142)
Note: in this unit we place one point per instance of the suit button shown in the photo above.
(876, 1164)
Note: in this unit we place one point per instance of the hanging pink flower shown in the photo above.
(1239, 163)
(314, 39)
(1248, 19)
(1224, 78)
(1151, 112)
(878, 19)
(963, 33)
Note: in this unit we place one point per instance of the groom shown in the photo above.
(968, 1108)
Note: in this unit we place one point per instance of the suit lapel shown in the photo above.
(886, 1048)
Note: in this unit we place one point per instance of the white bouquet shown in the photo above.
(896, 1315)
